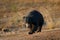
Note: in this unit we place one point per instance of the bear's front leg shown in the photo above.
(33, 29)
(30, 28)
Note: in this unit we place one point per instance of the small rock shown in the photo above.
(6, 30)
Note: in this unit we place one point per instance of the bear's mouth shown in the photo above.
(26, 25)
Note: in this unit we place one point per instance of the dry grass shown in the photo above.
(14, 10)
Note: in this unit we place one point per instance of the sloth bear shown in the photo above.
(36, 19)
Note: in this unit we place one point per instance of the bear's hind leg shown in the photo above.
(39, 28)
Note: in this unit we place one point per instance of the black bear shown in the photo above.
(36, 19)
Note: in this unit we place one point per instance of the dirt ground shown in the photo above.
(44, 35)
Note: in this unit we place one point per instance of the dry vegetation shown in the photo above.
(12, 12)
